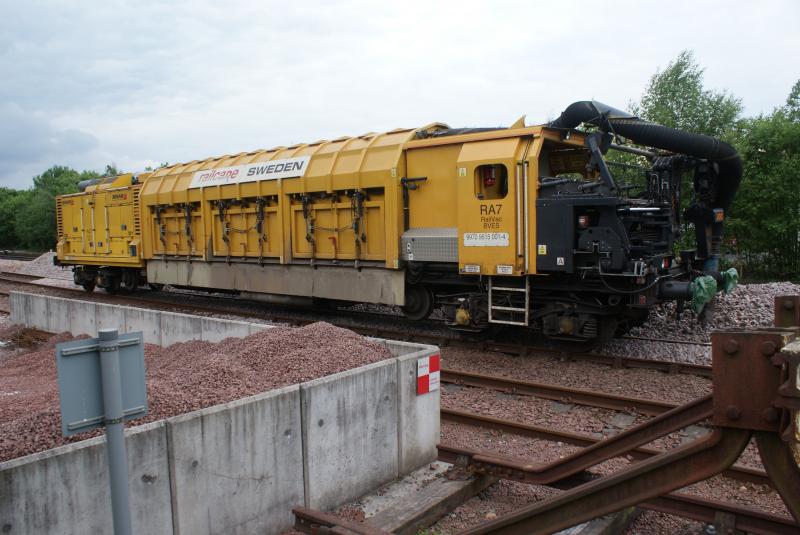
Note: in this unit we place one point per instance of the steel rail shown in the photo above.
(452, 454)
(561, 393)
(746, 519)
(688, 506)
(24, 276)
(666, 340)
(26, 257)
(615, 361)
(679, 504)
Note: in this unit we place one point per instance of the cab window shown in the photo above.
(491, 181)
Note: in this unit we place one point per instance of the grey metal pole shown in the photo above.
(115, 440)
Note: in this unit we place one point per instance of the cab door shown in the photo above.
(491, 207)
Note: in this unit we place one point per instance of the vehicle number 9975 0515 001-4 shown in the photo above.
(485, 239)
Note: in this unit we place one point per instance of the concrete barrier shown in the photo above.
(180, 328)
(418, 416)
(56, 314)
(66, 489)
(349, 433)
(212, 330)
(108, 317)
(17, 303)
(38, 313)
(82, 317)
(233, 468)
(148, 322)
(238, 468)
(57, 309)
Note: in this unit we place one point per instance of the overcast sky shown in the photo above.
(136, 83)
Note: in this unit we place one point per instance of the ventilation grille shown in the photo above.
(59, 219)
(137, 222)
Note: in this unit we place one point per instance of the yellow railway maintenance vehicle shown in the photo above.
(99, 231)
(523, 226)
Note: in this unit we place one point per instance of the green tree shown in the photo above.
(8, 210)
(35, 220)
(57, 180)
(35, 209)
(765, 220)
(676, 97)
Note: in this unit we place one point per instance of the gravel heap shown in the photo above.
(180, 378)
(749, 305)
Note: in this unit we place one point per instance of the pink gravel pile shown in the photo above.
(180, 378)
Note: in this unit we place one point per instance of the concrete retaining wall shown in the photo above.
(233, 468)
(418, 416)
(238, 468)
(56, 315)
(66, 489)
(349, 433)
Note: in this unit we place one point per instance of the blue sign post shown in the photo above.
(101, 382)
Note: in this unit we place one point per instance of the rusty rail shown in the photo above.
(680, 504)
(705, 510)
(629, 443)
(666, 341)
(614, 361)
(19, 255)
(560, 393)
(756, 379)
(638, 483)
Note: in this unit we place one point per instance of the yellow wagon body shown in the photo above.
(334, 225)
(101, 225)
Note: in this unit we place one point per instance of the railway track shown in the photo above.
(455, 453)
(381, 325)
(19, 255)
(554, 392)
(523, 470)
(693, 507)
(746, 519)
(614, 361)
(680, 504)
(564, 394)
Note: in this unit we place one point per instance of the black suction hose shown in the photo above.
(661, 137)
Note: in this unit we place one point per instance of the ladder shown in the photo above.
(508, 315)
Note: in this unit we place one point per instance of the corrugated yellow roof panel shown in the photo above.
(344, 162)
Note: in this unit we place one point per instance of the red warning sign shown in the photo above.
(428, 374)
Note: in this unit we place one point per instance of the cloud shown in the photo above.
(152, 81)
(29, 140)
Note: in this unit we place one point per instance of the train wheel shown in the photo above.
(88, 286)
(156, 287)
(419, 302)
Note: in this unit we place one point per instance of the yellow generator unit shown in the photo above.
(99, 231)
